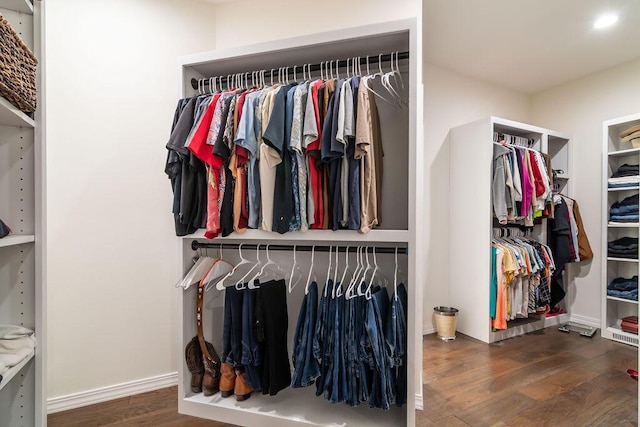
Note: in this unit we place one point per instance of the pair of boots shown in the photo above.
(234, 381)
(205, 373)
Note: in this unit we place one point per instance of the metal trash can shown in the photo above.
(445, 319)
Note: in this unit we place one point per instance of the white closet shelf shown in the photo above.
(621, 259)
(391, 236)
(16, 239)
(10, 115)
(292, 407)
(622, 336)
(627, 152)
(23, 6)
(8, 376)
(624, 189)
(623, 225)
(630, 301)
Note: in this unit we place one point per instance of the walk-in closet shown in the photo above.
(322, 254)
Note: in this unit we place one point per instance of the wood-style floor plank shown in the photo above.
(547, 378)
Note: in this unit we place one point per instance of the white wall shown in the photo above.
(452, 100)
(112, 84)
(578, 108)
(278, 19)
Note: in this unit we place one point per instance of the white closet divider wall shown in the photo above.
(470, 174)
(22, 288)
(616, 153)
(402, 210)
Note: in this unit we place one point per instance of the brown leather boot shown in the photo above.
(242, 389)
(193, 357)
(227, 380)
(211, 379)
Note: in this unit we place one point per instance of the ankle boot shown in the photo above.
(227, 380)
(193, 357)
(211, 379)
(242, 389)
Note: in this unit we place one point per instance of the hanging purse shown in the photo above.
(4, 229)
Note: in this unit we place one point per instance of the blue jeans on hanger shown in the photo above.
(251, 357)
(319, 342)
(381, 392)
(338, 376)
(306, 366)
(232, 327)
(396, 343)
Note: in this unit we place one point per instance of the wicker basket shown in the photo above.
(17, 69)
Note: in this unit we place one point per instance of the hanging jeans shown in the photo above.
(251, 357)
(232, 327)
(396, 343)
(305, 365)
(319, 341)
(382, 389)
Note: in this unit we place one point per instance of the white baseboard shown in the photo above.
(419, 402)
(589, 321)
(104, 394)
(426, 330)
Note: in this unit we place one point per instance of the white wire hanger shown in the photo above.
(294, 269)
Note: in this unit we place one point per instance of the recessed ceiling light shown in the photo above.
(605, 21)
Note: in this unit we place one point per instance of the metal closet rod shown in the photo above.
(342, 63)
(402, 250)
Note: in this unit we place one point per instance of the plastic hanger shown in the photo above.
(395, 276)
(273, 273)
(365, 80)
(352, 283)
(313, 253)
(335, 277)
(364, 274)
(220, 284)
(196, 273)
(373, 274)
(240, 283)
(328, 272)
(346, 265)
(294, 269)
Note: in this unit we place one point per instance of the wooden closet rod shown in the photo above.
(342, 63)
(195, 245)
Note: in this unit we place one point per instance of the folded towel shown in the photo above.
(15, 351)
(8, 332)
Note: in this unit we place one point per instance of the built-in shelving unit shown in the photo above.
(22, 287)
(8, 376)
(471, 154)
(401, 212)
(617, 153)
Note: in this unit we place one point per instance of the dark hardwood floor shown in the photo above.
(547, 378)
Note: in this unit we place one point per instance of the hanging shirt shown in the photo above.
(369, 150)
(247, 138)
(296, 144)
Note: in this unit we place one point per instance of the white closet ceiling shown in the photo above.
(529, 45)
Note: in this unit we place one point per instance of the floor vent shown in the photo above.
(624, 338)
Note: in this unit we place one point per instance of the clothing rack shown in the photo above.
(402, 250)
(515, 141)
(341, 63)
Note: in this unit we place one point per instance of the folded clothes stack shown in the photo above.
(625, 176)
(625, 210)
(624, 247)
(621, 287)
(631, 135)
(16, 343)
(630, 324)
